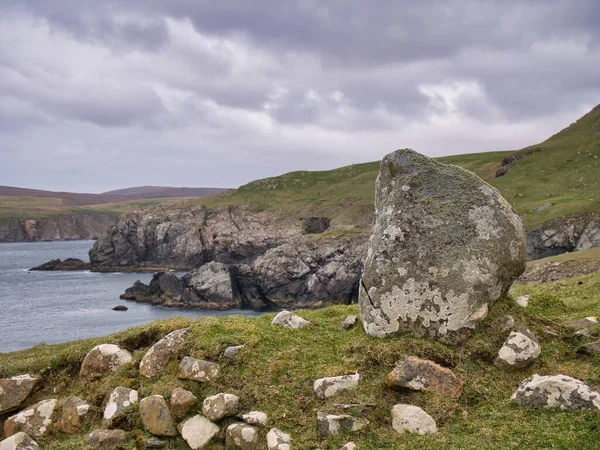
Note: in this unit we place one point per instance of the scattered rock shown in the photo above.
(278, 440)
(34, 420)
(556, 391)
(509, 324)
(67, 264)
(120, 308)
(14, 390)
(255, 418)
(70, 415)
(19, 441)
(242, 435)
(197, 431)
(331, 424)
(457, 246)
(152, 442)
(181, 402)
(221, 405)
(520, 349)
(288, 319)
(157, 357)
(581, 323)
(120, 399)
(542, 207)
(103, 358)
(231, 352)
(348, 322)
(412, 419)
(523, 300)
(423, 375)
(315, 225)
(106, 439)
(329, 386)
(197, 369)
(591, 349)
(156, 416)
(584, 333)
(349, 446)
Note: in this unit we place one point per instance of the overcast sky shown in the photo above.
(98, 95)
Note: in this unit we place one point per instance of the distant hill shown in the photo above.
(163, 192)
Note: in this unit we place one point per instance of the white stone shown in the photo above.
(120, 399)
(255, 418)
(242, 435)
(523, 300)
(278, 440)
(412, 419)
(519, 350)
(288, 319)
(329, 386)
(220, 405)
(349, 446)
(197, 431)
(19, 441)
(556, 391)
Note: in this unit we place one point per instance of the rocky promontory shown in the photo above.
(67, 264)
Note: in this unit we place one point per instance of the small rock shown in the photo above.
(581, 323)
(152, 442)
(221, 405)
(159, 354)
(156, 416)
(103, 358)
(120, 399)
(14, 390)
(348, 322)
(556, 391)
(520, 349)
(71, 413)
(181, 401)
(329, 386)
(231, 352)
(423, 375)
(255, 418)
(34, 420)
(197, 369)
(523, 300)
(349, 446)
(591, 349)
(331, 424)
(19, 441)
(412, 419)
(197, 431)
(288, 319)
(584, 333)
(106, 439)
(278, 440)
(542, 207)
(120, 308)
(242, 435)
(509, 324)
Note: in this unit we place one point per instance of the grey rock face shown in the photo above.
(106, 439)
(103, 358)
(120, 400)
(19, 441)
(210, 286)
(520, 349)
(34, 420)
(197, 369)
(221, 405)
(197, 431)
(332, 424)
(242, 435)
(278, 440)
(14, 390)
(288, 319)
(556, 391)
(181, 401)
(71, 413)
(330, 386)
(159, 354)
(445, 246)
(412, 419)
(231, 352)
(156, 416)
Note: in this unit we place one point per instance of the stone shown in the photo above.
(156, 416)
(278, 440)
(181, 402)
(106, 439)
(315, 225)
(197, 431)
(14, 391)
(35, 420)
(103, 358)
(520, 349)
(349, 446)
(445, 246)
(120, 308)
(220, 405)
(209, 286)
(19, 441)
(331, 424)
(67, 264)
(255, 418)
(412, 419)
(152, 442)
(71, 414)
(591, 349)
(556, 391)
(330, 386)
(197, 369)
(508, 324)
(542, 207)
(242, 435)
(523, 300)
(231, 352)
(581, 323)
(288, 319)
(348, 322)
(157, 357)
(120, 400)
(422, 375)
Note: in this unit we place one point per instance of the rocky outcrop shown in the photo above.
(445, 246)
(67, 264)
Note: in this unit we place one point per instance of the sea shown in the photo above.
(52, 307)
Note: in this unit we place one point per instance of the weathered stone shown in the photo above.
(157, 357)
(231, 352)
(103, 358)
(209, 286)
(70, 414)
(242, 435)
(423, 375)
(581, 323)
(221, 405)
(329, 386)
(278, 440)
(591, 349)
(19, 441)
(197, 431)
(331, 424)
(520, 349)
(14, 390)
(523, 300)
(156, 416)
(349, 446)
(181, 402)
(197, 369)
(106, 439)
(556, 391)
(348, 322)
(288, 319)
(315, 225)
(34, 420)
(255, 418)
(152, 442)
(508, 324)
(412, 419)
(445, 246)
(120, 399)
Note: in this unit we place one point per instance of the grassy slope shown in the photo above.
(276, 369)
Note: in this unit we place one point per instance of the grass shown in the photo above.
(276, 369)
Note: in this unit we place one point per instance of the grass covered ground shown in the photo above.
(275, 373)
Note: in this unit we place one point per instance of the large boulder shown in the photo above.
(197, 431)
(422, 375)
(156, 416)
(71, 414)
(19, 441)
(159, 354)
(103, 358)
(556, 391)
(34, 420)
(14, 390)
(445, 246)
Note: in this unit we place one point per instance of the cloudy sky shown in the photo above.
(98, 95)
